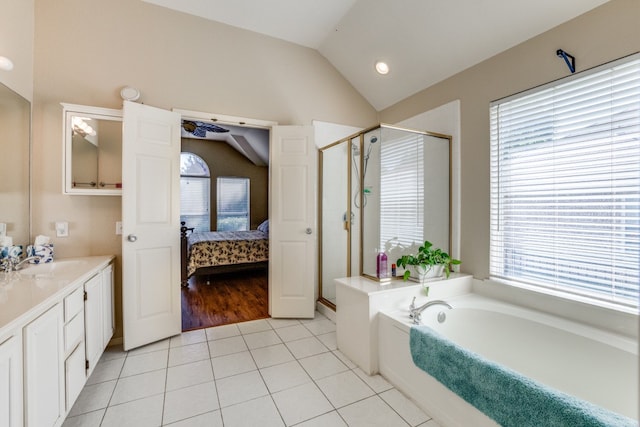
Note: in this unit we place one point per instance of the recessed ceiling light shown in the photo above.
(382, 67)
(5, 63)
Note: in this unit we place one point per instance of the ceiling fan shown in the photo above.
(200, 129)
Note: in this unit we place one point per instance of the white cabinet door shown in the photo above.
(74, 375)
(11, 382)
(107, 305)
(151, 308)
(292, 242)
(44, 385)
(93, 321)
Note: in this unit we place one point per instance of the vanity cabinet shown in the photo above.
(98, 307)
(53, 331)
(43, 369)
(108, 315)
(74, 346)
(11, 381)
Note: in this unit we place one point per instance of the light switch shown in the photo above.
(118, 227)
(62, 229)
(3, 229)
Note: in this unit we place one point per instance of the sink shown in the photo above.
(52, 268)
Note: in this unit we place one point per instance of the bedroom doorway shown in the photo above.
(224, 188)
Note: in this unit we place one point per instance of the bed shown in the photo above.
(215, 252)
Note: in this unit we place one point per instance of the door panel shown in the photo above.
(151, 224)
(292, 257)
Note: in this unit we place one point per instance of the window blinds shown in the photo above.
(402, 191)
(565, 185)
(233, 204)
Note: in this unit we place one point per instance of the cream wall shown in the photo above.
(16, 43)
(601, 35)
(87, 50)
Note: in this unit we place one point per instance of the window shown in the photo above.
(233, 204)
(402, 189)
(565, 185)
(195, 192)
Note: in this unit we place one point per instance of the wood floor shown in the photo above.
(229, 298)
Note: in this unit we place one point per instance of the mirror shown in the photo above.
(93, 150)
(15, 136)
(405, 196)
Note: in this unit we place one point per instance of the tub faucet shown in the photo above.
(12, 264)
(416, 312)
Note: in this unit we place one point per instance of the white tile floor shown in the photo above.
(271, 372)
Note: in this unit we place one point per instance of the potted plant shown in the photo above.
(427, 262)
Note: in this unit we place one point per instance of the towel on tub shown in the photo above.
(509, 398)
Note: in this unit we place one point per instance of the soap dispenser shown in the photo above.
(381, 265)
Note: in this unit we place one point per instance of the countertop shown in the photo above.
(370, 286)
(28, 292)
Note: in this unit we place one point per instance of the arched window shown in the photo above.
(195, 192)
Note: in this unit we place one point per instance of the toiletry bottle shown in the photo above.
(382, 265)
(393, 270)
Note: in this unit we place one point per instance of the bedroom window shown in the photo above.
(233, 204)
(565, 185)
(195, 192)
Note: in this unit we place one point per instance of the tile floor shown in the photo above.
(271, 372)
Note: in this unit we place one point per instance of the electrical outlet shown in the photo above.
(3, 229)
(118, 227)
(62, 229)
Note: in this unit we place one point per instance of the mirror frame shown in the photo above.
(70, 110)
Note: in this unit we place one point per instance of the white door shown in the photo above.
(292, 222)
(150, 224)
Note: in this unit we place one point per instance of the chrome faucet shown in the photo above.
(416, 312)
(14, 264)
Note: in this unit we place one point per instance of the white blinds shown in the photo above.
(402, 190)
(565, 185)
(233, 204)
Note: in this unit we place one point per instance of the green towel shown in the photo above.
(509, 398)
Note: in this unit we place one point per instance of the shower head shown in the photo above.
(373, 139)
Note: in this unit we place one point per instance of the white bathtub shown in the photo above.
(579, 360)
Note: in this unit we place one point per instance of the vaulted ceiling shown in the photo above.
(423, 41)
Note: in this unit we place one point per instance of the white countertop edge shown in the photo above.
(96, 263)
(369, 286)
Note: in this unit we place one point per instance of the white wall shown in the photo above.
(16, 43)
(87, 50)
(601, 35)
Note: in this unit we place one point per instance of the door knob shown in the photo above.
(308, 230)
(132, 237)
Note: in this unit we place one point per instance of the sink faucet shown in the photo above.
(14, 264)
(416, 312)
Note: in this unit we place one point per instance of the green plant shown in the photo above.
(427, 257)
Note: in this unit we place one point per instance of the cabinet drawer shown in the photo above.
(73, 332)
(73, 303)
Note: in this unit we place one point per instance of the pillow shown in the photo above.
(264, 227)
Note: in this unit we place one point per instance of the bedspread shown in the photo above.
(207, 249)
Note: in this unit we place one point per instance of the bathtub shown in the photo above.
(579, 360)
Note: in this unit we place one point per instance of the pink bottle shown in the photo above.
(381, 266)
